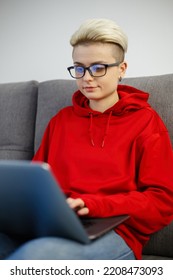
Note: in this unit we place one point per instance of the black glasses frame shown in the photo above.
(90, 71)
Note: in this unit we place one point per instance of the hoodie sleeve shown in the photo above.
(151, 205)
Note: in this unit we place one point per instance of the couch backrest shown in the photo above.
(55, 94)
(52, 96)
(18, 105)
(161, 96)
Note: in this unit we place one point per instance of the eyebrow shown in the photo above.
(93, 63)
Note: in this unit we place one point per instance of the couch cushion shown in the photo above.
(18, 103)
(52, 96)
(161, 95)
(160, 244)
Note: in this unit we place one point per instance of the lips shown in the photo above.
(89, 88)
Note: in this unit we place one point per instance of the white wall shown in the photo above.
(34, 35)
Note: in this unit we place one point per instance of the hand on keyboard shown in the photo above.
(78, 205)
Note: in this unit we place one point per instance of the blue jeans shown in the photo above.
(108, 247)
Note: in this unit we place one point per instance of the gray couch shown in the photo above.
(26, 108)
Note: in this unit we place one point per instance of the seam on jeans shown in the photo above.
(123, 257)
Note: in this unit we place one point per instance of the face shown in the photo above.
(99, 90)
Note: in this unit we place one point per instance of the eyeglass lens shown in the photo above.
(95, 70)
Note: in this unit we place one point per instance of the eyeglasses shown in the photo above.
(95, 70)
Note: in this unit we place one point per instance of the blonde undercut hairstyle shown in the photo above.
(101, 31)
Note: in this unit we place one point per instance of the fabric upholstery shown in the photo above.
(161, 243)
(18, 104)
(160, 89)
(52, 96)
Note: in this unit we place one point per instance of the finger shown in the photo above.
(83, 211)
(69, 200)
(75, 203)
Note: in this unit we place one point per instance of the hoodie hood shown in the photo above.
(130, 99)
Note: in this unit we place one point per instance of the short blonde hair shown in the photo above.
(100, 30)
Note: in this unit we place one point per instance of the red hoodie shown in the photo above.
(118, 162)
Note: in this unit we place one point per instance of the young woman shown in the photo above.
(110, 152)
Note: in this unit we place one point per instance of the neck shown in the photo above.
(102, 105)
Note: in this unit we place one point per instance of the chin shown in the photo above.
(92, 96)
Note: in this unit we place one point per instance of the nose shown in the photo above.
(87, 76)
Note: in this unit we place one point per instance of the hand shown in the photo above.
(78, 205)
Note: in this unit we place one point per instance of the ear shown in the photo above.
(122, 69)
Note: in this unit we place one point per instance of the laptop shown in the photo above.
(32, 205)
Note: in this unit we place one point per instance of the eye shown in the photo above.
(97, 68)
(79, 69)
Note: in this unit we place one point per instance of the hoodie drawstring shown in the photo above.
(106, 129)
(90, 129)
